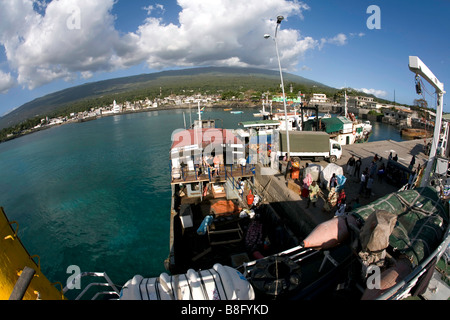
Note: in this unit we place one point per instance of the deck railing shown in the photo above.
(209, 173)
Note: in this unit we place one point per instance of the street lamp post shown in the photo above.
(279, 19)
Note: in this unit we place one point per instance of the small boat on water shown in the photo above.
(345, 130)
(236, 112)
(229, 109)
(411, 133)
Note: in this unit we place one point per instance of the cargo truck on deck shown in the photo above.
(315, 145)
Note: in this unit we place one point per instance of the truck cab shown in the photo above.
(335, 150)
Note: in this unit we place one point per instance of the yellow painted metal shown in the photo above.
(13, 259)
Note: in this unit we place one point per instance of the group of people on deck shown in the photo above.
(336, 200)
(208, 162)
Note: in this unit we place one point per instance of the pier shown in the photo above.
(284, 196)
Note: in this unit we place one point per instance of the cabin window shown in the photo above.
(337, 146)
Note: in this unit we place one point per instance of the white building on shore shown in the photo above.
(116, 107)
(318, 98)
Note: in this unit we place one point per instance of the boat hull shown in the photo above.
(415, 133)
(14, 258)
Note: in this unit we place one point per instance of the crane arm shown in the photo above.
(418, 67)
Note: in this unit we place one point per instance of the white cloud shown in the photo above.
(339, 40)
(73, 36)
(360, 34)
(221, 32)
(152, 8)
(375, 92)
(6, 82)
(69, 39)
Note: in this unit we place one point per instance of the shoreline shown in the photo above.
(221, 105)
(177, 107)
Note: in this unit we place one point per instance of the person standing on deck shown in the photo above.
(351, 165)
(413, 161)
(369, 186)
(381, 171)
(216, 162)
(313, 194)
(358, 164)
(333, 181)
(364, 178)
(373, 168)
(331, 200)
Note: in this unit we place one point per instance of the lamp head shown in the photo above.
(279, 19)
(266, 36)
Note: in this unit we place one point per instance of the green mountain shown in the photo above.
(209, 79)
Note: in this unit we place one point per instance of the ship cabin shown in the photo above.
(210, 180)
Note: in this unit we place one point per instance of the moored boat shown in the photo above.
(412, 133)
(209, 178)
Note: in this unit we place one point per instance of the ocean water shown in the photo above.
(97, 194)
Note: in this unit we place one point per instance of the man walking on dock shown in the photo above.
(351, 165)
(363, 183)
(358, 167)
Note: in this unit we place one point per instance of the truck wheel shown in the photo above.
(333, 159)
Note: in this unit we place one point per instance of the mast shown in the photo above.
(264, 106)
(345, 103)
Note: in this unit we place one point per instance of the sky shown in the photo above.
(46, 46)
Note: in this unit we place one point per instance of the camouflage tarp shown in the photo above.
(421, 220)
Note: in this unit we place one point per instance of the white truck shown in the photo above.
(315, 145)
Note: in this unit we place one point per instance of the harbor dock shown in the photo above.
(284, 194)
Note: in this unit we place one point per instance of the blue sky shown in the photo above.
(47, 46)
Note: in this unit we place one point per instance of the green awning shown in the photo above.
(332, 125)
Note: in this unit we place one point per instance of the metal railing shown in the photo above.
(209, 173)
(108, 283)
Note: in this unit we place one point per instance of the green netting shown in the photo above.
(421, 220)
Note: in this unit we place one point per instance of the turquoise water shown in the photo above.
(97, 194)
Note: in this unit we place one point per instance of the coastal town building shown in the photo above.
(318, 98)
(117, 108)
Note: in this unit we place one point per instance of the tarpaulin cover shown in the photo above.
(327, 173)
(225, 207)
(421, 220)
(314, 170)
